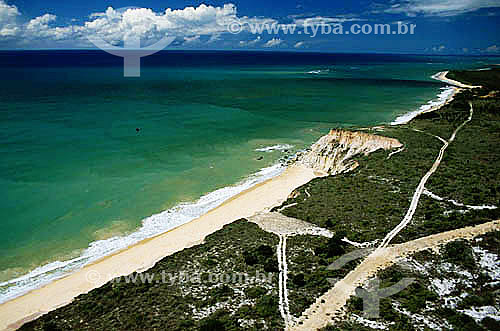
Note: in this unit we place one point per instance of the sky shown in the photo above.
(439, 26)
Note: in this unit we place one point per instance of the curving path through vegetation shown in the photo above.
(329, 305)
(458, 204)
(284, 227)
(421, 186)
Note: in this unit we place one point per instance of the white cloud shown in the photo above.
(439, 7)
(299, 44)
(116, 25)
(320, 20)
(273, 42)
(8, 20)
(40, 28)
(40, 24)
(145, 24)
(191, 40)
(250, 42)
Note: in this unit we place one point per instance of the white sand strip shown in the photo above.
(441, 76)
(421, 186)
(145, 254)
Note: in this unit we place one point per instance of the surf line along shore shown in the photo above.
(144, 255)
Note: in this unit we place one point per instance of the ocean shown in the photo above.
(93, 162)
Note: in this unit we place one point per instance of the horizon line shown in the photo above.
(258, 51)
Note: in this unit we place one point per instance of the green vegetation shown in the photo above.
(460, 253)
(308, 260)
(186, 304)
(487, 78)
(374, 198)
(421, 304)
(199, 302)
(363, 205)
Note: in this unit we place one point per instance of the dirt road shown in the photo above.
(330, 304)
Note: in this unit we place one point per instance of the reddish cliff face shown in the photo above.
(332, 154)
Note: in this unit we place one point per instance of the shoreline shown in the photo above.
(441, 76)
(455, 87)
(144, 254)
(151, 226)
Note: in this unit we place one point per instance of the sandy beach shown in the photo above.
(145, 254)
(457, 87)
(442, 77)
(448, 100)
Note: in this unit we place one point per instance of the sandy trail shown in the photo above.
(321, 314)
(284, 227)
(395, 152)
(456, 203)
(430, 134)
(145, 254)
(421, 186)
(283, 305)
(288, 319)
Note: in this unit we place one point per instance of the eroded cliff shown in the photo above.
(332, 154)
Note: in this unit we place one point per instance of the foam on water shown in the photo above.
(151, 226)
(274, 148)
(318, 72)
(443, 97)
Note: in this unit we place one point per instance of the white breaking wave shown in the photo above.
(317, 72)
(443, 97)
(269, 149)
(151, 226)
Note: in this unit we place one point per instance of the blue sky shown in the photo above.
(441, 26)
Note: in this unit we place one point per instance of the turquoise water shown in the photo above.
(78, 181)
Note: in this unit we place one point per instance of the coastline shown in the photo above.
(145, 253)
(444, 98)
(151, 226)
(441, 76)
